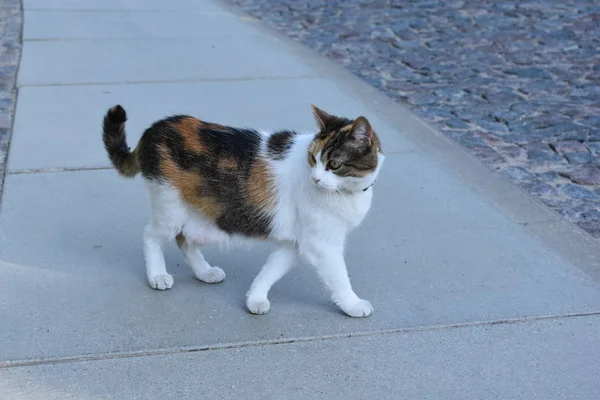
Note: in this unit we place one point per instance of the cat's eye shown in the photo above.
(333, 165)
(313, 160)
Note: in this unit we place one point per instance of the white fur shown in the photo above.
(311, 220)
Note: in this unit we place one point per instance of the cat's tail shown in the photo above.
(115, 142)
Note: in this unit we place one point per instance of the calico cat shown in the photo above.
(210, 183)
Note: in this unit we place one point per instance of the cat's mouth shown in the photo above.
(320, 186)
(327, 188)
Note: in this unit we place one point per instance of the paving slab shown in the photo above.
(104, 5)
(61, 25)
(156, 60)
(58, 137)
(431, 252)
(540, 360)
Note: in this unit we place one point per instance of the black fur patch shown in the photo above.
(117, 115)
(158, 133)
(279, 144)
(115, 142)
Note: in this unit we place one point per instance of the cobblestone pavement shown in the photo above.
(515, 82)
(10, 50)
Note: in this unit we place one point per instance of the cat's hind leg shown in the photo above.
(167, 218)
(193, 256)
(278, 264)
(156, 270)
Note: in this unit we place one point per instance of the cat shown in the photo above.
(210, 183)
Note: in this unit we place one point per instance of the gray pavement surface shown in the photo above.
(516, 82)
(479, 291)
(537, 360)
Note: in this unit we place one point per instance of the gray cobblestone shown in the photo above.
(594, 148)
(539, 188)
(585, 175)
(579, 192)
(525, 72)
(580, 157)
(10, 50)
(538, 152)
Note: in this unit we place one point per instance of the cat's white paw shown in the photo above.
(361, 308)
(161, 282)
(258, 305)
(213, 275)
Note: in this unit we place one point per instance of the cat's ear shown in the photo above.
(321, 117)
(361, 130)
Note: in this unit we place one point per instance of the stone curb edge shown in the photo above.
(11, 25)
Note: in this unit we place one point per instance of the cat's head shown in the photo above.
(345, 155)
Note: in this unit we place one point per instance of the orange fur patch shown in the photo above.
(260, 186)
(180, 239)
(315, 147)
(189, 130)
(347, 128)
(189, 186)
(227, 163)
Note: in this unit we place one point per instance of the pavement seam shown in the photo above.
(31, 171)
(117, 39)
(168, 81)
(271, 342)
(113, 10)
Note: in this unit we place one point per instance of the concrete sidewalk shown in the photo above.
(478, 291)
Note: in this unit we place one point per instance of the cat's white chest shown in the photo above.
(351, 210)
(360, 206)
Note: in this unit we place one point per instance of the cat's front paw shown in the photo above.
(213, 275)
(358, 309)
(258, 305)
(161, 282)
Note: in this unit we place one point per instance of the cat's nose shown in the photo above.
(315, 180)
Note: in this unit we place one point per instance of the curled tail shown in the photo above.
(115, 142)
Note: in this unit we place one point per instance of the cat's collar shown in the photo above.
(367, 188)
